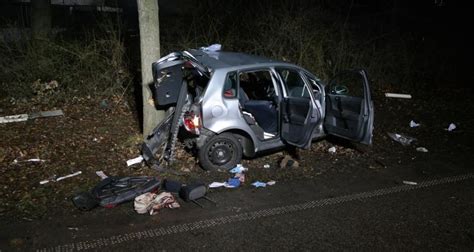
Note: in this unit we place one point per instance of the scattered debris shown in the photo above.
(73, 228)
(332, 150)
(259, 184)
(35, 160)
(152, 202)
(136, 160)
(24, 117)
(217, 184)
(212, 48)
(288, 162)
(101, 174)
(54, 179)
(240, 176)
(406, 182)
(413, 124)
(266, 166)
(115, 190)
(238, 169)
(271, 182)
(402, 139)
(194, 192)
(421, 149)
(233, 183)
(396, 95)
(451, 127)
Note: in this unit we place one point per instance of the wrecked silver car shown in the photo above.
(227, 105)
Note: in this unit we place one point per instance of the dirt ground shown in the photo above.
(100, 134)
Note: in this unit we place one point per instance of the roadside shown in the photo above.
(99, 134)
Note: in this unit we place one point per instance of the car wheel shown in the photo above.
(221, 152)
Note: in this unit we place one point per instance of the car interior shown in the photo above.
(257, 97)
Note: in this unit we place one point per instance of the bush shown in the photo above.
(95, 64)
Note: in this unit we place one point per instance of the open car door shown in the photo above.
(299, 116)
(349, 107)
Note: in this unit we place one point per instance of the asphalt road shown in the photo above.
(376, 214)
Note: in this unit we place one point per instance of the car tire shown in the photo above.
(220, 152)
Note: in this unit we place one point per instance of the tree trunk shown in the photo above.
(150, 52)
(40, 18)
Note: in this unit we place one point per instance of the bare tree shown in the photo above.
(40, 18)
(150, 51)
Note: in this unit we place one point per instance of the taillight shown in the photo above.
(192, 122)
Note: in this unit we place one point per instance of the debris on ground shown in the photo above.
(421, 149)
(406, 182)
(402, 139)
(54, 179)
(231, 183)
(136, 160)
(25, 117)
(152, 202)
(212, 48)
(332, 150)
(271, 182)
(34, 160)
(288, 162)
(396, 95)
(115, 190)
(101, 174)
(451, 127)
(259, 184)
(238, 169)
(414, 124)
(240, 176)
(266, 166)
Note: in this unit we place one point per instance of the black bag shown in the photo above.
(115, 190)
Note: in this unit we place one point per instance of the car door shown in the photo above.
(349, 107)
(297, 110)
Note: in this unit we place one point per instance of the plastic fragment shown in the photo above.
(413, 124)
(396, 95)
(402, 139)
(101, 174)
(212, 48)
(238, 169)
(266, 166)
(421, 149)
(406, 182)
(451, 127)
(332, 150)
(259, 184)
(136, 160)
(271, 182)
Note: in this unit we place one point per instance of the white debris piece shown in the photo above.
(332, 150)
(271, 182)
(266, 166)
(395, 95)
(136, 160)
(421, 149)
(54, 179)
(451, 127)
(406, 182)
(24, 117)
(35, 160)
(212, 48)
(413, 124)
(101, 174)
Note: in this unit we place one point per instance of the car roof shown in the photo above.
(223, 59)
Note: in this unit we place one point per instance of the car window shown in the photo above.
(257, 85)
(294, 84)
(347, 83)
(230, 85)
